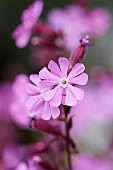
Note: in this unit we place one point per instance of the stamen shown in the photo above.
(63, 82)
(85, 40)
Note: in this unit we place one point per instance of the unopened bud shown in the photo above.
(79, 52)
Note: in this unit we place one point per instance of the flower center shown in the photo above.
(63, 82)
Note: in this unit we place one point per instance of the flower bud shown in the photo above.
(79, 52)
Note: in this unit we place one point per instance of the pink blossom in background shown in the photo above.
(7, 135)
(71, 22)
(29, 18)
(93, 117)
(19, 111)
(6, 96)
(39, 107)
(75, 21)
(64, 90)
(99, 21)
(85, 161)
(7, 131)
(16, 158)
(12, 155)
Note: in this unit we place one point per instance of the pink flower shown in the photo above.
(12, 155)
(7, 131)
(64, 90)
(29, 18)
(15, 157)
(72, 22)
(6, 96)
(39, 107)
(99, 21)
(75, 21)
(19, 111)
(94, 114)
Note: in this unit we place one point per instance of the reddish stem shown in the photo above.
(67, 142)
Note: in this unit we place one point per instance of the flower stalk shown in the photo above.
(67, 128)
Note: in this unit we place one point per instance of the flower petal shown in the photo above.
(78, 93)
(21, 36)
(36, 110)
(50, 94)
(76, 70)
(70, 99)
(35, 79)
(45, 74)
(32, 89)
(81, 79)
(33, 12)
(55, 111)
(46, 114)
(37, 9)
(64, 65)
(54, 68)
(29, 101)
(46, 84)
(57, 98)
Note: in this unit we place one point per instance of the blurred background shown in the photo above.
(12, 58)
(98, 100)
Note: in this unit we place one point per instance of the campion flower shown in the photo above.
(75, 21)
(6, 96)
(100, 21)
(96, 115)
(15, 157)
(12, 155)
(19, 112)
(29, 18)
(72, 22)
(39, 107)
(64, 88)
(7, 131)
